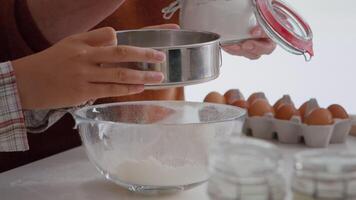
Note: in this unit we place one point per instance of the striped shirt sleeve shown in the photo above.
(13, 136)
(16, 122)
(38, 121)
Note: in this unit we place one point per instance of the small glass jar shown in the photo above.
(245, 169)
(320, 175)
(234, 19)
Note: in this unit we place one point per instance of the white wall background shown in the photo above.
(330, 76)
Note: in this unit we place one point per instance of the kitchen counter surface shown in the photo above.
(70, 176)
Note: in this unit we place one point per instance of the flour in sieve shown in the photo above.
(153, 173)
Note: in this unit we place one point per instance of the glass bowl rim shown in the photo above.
(80, 119)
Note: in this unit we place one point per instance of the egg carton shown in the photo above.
(353, 122)
(295, 132)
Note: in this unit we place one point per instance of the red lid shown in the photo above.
(285, 26)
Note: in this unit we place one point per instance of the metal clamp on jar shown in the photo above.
(233, 19)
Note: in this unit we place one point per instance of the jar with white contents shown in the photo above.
(246, 169)
(234, 19)
(320, 175)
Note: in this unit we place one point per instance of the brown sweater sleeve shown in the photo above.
(19, 35)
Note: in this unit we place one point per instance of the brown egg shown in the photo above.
(259, 108)
(215, 97)
(308, 106)
(241, 104)
(278, 104)
(233, 95)
(255, 96)
(286, 112)
(338, 112)
(284, 100)
(319, 116)
(302, 109)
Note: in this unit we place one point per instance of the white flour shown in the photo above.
(153, 173)
(160, 155)
(232, 19)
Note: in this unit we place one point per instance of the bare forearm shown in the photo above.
(58, 19)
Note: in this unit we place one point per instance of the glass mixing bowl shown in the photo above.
(155, 146)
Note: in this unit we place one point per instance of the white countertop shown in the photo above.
(70, 176)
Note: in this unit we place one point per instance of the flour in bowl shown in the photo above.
(152, 172)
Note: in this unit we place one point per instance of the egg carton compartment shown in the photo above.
(261, 127)
(353, 128)
(295, 132)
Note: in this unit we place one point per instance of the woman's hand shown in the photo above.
(70, 73)
(255, 48)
